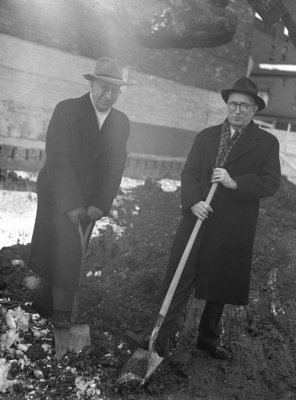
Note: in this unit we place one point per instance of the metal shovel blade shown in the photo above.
(141, 365)
(73, 339)
(133, 371)
(153, 362)
(138, 370)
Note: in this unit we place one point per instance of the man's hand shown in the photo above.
(76, 215)
(222, 176)
(201, 210)
(94, 213)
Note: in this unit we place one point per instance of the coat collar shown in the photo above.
(88, 126)
(246, 142)
(88, 123)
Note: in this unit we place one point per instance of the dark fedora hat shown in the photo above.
(245, 86)
(108, 70)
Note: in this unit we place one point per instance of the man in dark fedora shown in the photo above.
(85, 158)
(244, 161)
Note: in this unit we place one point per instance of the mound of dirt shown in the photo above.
(123, 270)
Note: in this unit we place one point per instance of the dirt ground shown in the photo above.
(123, 270)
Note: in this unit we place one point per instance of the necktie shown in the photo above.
(234, 137)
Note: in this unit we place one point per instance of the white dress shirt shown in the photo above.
(101, 115)
(232, 130)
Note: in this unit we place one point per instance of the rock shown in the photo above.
(4, 382)
(19, 354)
(32, 282)
(18, 262)
(38, 374)
(47, 347)
(22, 347)
(36, 334)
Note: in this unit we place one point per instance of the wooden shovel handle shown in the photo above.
(83, 236)
(170, 293)
(83, 240)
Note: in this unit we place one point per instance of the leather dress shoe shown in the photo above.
(221, 353)
(218, 352)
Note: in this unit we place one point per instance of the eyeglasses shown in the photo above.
(232, 105)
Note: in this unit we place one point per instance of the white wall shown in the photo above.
(33, 78)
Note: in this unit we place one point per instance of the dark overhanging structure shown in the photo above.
(190, 24)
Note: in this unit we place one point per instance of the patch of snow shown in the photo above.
(18, 211)
(169, 185)
(17, 216)
(103, 224)
(130, 183)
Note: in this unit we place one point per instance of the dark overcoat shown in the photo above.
(221, 257)
(84, 166)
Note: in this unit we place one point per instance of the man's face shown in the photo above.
(103, 94)
(237, 117)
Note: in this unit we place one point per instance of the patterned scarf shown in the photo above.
(226, 143)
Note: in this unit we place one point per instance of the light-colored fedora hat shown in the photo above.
(108, 70)
(245, 86)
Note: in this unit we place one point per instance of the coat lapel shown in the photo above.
(246, 142)
(98, 139)
(213, 144)
(88, 124)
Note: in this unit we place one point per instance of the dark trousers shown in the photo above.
(53, 298)
(209, 327)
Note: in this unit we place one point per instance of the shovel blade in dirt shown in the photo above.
(153, 362)
(138, 369)
(133, 371)
(73, 339)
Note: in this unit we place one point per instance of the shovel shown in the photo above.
(83, 240)
(78, 336)
(152, 358)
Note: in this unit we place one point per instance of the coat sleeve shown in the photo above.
(264, 183)
(63, 178)
(106, 192)
(191, 189)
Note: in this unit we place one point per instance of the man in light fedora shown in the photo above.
(244, 161)
(85, 158)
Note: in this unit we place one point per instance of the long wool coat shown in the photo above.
(221, 257)
(84, 166)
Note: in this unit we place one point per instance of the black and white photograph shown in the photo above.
(148, 199)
